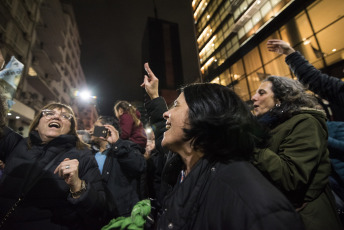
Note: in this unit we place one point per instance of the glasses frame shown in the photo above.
(64, 115)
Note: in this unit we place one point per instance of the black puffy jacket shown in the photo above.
(49, 205)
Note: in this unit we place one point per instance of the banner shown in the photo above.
(10, 77)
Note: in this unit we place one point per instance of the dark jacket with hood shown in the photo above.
(297, 162)
(49, 204)
(216, 195)
(122, 169)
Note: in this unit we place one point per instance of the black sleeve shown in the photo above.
(329, 88)
(155, 109)
(8, 141)
(129, 156)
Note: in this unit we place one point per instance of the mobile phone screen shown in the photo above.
(100, 131)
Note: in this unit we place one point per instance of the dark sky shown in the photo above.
(111, 33)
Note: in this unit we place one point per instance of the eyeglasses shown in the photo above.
(48, 114)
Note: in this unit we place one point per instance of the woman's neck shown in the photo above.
(190, 158)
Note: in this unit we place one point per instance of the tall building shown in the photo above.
(161, 48)
(43, 35)
(232, 36)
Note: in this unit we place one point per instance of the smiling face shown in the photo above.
(54, 124)
(176, 118)
(264, 99)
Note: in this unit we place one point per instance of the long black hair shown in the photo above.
(221, 124)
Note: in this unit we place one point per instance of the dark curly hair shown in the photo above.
(221, 124)
(292, 96)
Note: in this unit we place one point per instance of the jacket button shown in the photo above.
(170, 226)
(115, 147)
(107, 173)
(213, 169)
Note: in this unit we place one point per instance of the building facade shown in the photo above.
(43, 35)
(232, 37)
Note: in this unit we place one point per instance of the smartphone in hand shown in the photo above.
(100, 131)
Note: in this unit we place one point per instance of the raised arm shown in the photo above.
(329, 88)
(279, 46)
(150, 83)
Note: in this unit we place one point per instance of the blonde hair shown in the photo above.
(127, 107)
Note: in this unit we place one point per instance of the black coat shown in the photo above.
(122, 169)
(49, 205)
(227, 196)
(329, 88)
(217, 195)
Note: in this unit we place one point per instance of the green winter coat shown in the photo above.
(297, 162)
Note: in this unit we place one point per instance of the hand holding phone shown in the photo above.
(100, 131)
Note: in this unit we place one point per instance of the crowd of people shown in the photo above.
(210, 162)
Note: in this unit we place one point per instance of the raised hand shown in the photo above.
(279, 46)
(113, 135)
(150, 83)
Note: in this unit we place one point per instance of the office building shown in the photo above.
(232, 37)
(43, 35)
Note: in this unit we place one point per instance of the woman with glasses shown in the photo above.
(51, 179)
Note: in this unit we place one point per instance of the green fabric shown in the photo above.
(134, 222)
(297, 162)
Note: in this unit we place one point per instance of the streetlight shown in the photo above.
(84, 95)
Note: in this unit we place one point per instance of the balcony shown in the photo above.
(42, 86)
(44, 62)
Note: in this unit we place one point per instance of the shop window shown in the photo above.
(278, 67)
(331, 42)
(303, 26)
(240, 88)
(237, 70)
(252, 61)
(254, 80)
(267, 55)
(311, 51)
(225, 78)
(324, 12)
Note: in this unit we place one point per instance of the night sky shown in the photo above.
(111, 33)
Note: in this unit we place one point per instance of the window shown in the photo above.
(266, 8)
(254, 80)
(324, 12)
(267, 55)
(331, 42)
(241, 89)
(252, 61)
(278, 67)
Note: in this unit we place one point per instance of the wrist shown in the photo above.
(153, 96)
(290, 51)
(82, 189)
(76, 187)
